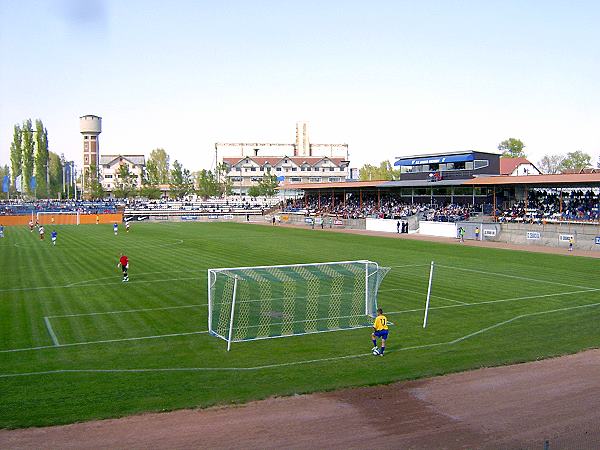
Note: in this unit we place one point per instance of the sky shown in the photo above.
(389, 78)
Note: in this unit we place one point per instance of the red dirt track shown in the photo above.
(512, 407)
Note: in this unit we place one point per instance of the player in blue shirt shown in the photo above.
(116, 228)
(1, 231)
(53, 236)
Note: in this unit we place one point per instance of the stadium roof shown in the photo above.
(341, 184)
(556, 180)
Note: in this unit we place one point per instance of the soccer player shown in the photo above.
(42, 231)
(31, 226)
(116, 228)
(380, 330)
(124, 264)
(571, 244)
(97, 219)
(53, 236)
(1, 231)
(127, 227)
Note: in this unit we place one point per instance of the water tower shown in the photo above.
(90, 127)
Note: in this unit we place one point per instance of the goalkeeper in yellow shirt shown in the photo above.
(380, 330)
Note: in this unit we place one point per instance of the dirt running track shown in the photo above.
(512, 407)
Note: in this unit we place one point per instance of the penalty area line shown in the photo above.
(51, 332)
(294, 363)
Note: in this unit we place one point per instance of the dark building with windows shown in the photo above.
(448, 166)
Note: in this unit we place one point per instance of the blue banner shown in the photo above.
(32, 184)
(5, 183)
(434, 160)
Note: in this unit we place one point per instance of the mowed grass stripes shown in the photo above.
(142, 346)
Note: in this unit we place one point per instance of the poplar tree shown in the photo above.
(16, 155)
(27, 151)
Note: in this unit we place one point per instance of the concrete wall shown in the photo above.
(554, 235)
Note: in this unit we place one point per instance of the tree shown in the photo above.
(254, 191)
(551, 163)
(225, 184)
(95, 188)
(576, 161)
(385, 171)
(41, 160)
(512, 148)
(268, 185)
(182, 183)
(149, 191)
(207, 184)
(16, 154)
(125, 184)
(55, 174)
(150, 181)
(4, 171)
(27, 151)
(159, 161)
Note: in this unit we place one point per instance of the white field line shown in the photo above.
(293, 363)
(405, 311)
(105, 341)
(124, 311)
(489, 302)
(513, 276)
(51, 332)
(67, 286)
(87, 283)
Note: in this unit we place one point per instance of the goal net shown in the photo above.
(250, 303)
(58, 218)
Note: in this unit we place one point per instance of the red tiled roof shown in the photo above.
(561, 178)
(508, 165)
(324, 186)
(274, 160)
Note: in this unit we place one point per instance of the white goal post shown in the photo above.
(60, 217)
(265, 302)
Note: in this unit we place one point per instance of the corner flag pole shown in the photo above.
(428, 295)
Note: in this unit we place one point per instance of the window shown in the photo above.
(295, 179)
(294, 169)
(235, 179)
(481, 163)
(334, 179)
(93, 138)
(314, 179)
(108, 176)
(469, 165)
(278, 169)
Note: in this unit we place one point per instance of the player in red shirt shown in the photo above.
(124, 264)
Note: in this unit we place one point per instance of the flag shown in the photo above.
(19, 183)
(5, 183)
(32, 183)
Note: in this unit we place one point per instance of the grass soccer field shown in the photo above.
(77, 344)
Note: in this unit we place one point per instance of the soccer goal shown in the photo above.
(58, 218)
(265, 302)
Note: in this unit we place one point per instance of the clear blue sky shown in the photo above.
(389, 78)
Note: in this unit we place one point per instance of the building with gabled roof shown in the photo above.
(517, 167)
(109, 169)
(301, 162)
